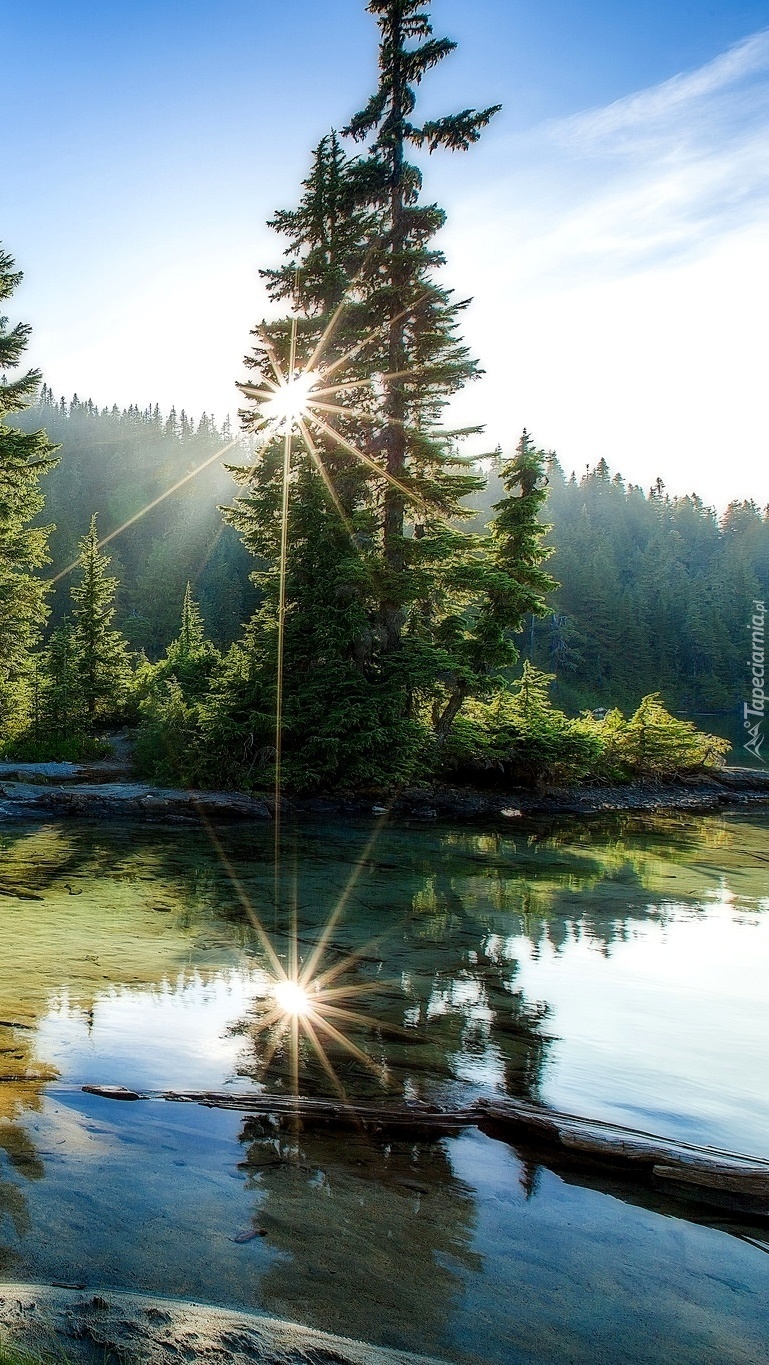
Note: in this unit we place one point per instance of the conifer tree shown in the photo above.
(422, 356)
(24, 457)
(507, 581)
(393, 594)
(63, 707)
(191, 632)
(190, 658)
(103, 661)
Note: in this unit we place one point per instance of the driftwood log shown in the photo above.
(720, 1179)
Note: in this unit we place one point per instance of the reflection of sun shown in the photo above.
(291, 997)
(315, 1009)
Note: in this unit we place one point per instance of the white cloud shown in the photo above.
(621, 282)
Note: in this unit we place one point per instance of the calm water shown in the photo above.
(620, 971)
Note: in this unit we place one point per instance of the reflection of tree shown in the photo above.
(432, 994)
(19, 1151)
(387, 1222)
(597, 881)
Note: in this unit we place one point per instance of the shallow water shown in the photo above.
(619, 970)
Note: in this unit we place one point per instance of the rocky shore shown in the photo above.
(95, 792)
(87, 1326)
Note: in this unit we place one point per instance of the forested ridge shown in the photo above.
(654, 592)
(115, 463)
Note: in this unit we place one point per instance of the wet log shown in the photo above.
(414, 1120)
(707, 1175)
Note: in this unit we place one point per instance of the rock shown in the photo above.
(103, 800)
(156, 1331)
(111, 1092)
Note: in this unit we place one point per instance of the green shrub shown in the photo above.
(522, 738)
(58, 749)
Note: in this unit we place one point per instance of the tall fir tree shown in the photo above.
(422, 357)
(103, 659)
(394, 593)
(24, 457)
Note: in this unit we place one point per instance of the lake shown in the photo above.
(618, 970)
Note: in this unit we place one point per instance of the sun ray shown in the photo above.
(383, 473)
(326, 335)
(275, 1042)
(272, 356)
(303, 1004)
(356, 1052)
(359, 413)
(287, 436)
(331, 389)
(264, 938)
(311, 965)
(150, 506)
(253, 391)
(322, 981)
(325, 1061)
(359, 346)
(324, 474)
(340, 309)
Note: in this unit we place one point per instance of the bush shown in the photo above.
(58, 749)
(520, 736)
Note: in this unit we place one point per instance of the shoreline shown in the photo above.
(63, 792)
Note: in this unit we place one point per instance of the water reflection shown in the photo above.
(437, 946)
(616, 963)
(389, 1221)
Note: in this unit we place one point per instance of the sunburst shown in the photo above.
(295, 401)
(308, 999)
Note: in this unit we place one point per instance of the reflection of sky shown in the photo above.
(668, 1031)
(174, 1037)
(424, 1248)
(647, 947)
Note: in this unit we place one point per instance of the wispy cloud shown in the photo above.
(684, 101)
(662, 172)
(620, 274)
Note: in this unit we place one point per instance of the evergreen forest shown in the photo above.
(406, 613)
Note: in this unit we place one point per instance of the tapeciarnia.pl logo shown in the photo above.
(754, 711)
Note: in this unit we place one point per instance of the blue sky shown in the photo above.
(611, 226)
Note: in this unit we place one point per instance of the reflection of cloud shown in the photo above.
(619, 271)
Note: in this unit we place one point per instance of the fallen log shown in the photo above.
(709, 1175)
(282, 1110)
(684, 1170)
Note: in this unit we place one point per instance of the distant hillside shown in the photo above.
(116, 463)
(656, 592)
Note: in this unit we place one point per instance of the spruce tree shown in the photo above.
(103, 661)
(421, 355)
(24, 457)
(384, 602)
(507, 581)
(63, 703)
